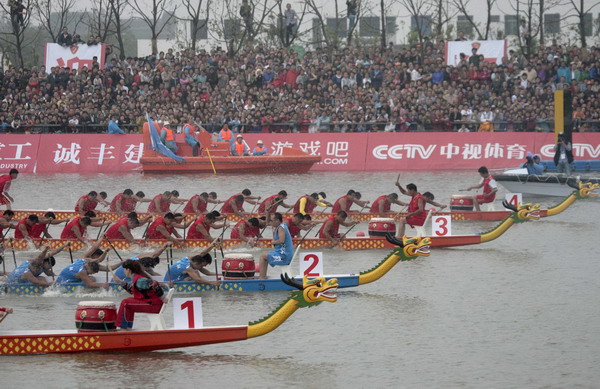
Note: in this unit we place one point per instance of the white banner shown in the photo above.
(492, 51)
(73, 57)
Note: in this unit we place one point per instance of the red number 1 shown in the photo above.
(189, 305)
(314, 264)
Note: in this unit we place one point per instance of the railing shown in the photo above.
(285, 127)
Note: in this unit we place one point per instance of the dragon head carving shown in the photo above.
(314, 291)
(524, 212)
(584, 190)
(410, 247)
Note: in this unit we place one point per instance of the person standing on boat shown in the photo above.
(563, 155)
(190, 138)
(489, 185)
(330, 229)
(283, 250)
(382, 204)
(189, 268)
(5, 181)
(167, 136)
(146, 295)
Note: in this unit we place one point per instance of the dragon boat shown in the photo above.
(310, 293)
(405, 250)
(518, 181)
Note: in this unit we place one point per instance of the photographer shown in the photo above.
(563, 156)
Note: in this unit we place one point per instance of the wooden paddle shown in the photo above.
(71, 254)
(12, 247)
(343, 236)
(114, 249)
(100, 229)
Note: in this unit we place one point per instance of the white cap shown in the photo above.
(260, 142)
(239, 136)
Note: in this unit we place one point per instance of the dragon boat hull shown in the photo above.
(44, 342)
(546, 185)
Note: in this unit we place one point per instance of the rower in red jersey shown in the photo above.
(416, 215)
(330, 229)
(161, 204)
(176, 200)
(235, 204)
(90, 201)
(270, 204)
(200, 229)
(307, 203)
(345, 202)
(5, 181)
(382, 204)
(41, 228)
(297, 223)
(490, 187)
(25, 227)
(121, 202)
(198, 203)
(77, 229)
(122, 228)
(164, 228)
(247, 230)
(5, 223)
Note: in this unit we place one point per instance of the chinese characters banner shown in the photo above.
(85, 153)
(18, 152)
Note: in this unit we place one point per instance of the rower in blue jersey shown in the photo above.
(189, 268)
(31, 271)
(283, 252)
(81, 270)
(148, 262)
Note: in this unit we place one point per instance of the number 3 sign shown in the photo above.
(441, 225)
(187, 313)
(311, 264)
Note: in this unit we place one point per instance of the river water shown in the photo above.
(518, 312)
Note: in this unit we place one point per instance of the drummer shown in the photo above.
(383, 204)
(189, 268)
(489, 185)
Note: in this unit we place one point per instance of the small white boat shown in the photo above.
(560, 185)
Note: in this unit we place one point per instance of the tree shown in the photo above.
(329, 36)
(281, 30)
(464, 7)
(99, 20)
(117, 7)
(194, 11)
(14, 35)
(53, 15)
(417, 9)
(153, 15)
(579, 11)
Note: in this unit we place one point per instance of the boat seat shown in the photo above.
(490, 207)
(420, 230)
(157, 320)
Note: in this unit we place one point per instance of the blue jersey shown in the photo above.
(177, 272)
(67, 275)
(15, 276)
(282, 254)
(120, 272)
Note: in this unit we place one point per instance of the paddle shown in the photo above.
(100, 229)
(12, 247)
(343, 236)
(169, 264)
(3, 266)
(114, 249)
(211, 160)
(216, 264)
(146, 230)
(71, 254)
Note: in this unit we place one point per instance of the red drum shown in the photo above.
(380, 226)
(95, 316)
(237, 265)
(461, 203)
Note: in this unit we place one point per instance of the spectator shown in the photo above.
(64, 38)
(291, 24)
(352, 11)
(486, 118)
(113, 126)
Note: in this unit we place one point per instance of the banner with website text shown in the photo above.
(104, 153)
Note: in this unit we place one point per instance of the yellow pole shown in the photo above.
(559, 113)
(211, 161)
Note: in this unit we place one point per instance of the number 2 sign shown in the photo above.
(187, 313)
(311, 264)
(441, 225)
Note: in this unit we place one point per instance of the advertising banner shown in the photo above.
(18, 152)
(73, 57)
(492, 51)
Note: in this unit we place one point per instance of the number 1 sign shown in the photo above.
(187, 313)
(311, 264)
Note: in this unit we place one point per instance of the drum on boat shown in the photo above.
(95, 316)
(461, 203)
(380, 226)
(238, 265)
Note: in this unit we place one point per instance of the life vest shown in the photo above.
(308, 207)
(227, 208)
(337, 206)
(154, 234)
(239, 148)
(226, 135)
(165, 205)
(67, 232)
(378, 200)
(169, 137)
(113, 231)
(193, 232)
(259, 149)
(333, 230)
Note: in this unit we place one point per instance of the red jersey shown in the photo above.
(165, 205)
(294, 229)
(5, 181)
(249, 231)
(37, 230)
(262, 208)
(67, 232)
(487, 188)
(127, 205)
(113, 231)
(88, 205)
(148, 297)
(202, 204)
(308, 207)
(333, 230)
(413, 206)
(337, 206)
(18, 233)
(378, 200)
(193, 232)
(154, 234)
(227, 206)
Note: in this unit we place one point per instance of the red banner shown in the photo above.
(104, 153)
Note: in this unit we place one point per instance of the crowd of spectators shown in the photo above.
(352, 89)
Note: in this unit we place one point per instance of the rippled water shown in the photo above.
(518, 312)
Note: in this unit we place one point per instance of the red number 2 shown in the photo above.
(189, 305)
(442, 229)
(315, 262)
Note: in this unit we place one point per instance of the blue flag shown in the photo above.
(157, 144)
